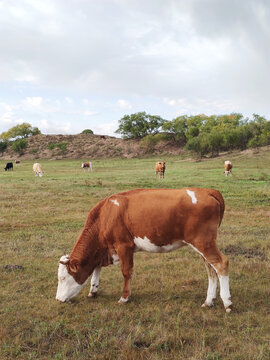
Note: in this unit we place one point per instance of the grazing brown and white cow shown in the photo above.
(160, 169)
(152, 220)
(37, 170)
(228, 167)
(87, 165)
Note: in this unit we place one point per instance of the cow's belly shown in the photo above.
(144, 244)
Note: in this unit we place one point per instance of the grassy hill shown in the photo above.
(87, 146)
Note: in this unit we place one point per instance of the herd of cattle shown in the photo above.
(159, 168)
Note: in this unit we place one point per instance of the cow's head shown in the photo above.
(67, 287)
(162, 163)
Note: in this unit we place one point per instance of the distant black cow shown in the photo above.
(9, 166)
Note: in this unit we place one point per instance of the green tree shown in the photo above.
(177, 127)
(19, 146)
(87, 131)
(3, 146)
(138, 125)
(20, 132)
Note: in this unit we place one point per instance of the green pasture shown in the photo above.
(40, 220)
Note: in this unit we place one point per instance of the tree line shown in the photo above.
(199, 133)
(17, 136)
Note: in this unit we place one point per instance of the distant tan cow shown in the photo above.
(37, 170)
(228, 168)
(160, 169)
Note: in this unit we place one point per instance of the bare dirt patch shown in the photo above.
(249, 253)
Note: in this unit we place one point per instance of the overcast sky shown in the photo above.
(70, 65)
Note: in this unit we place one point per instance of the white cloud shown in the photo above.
(90, 113)
(51, 127)
(106, 128)
(69, 100)
(123, 104)
(34, 102)
(42, 105)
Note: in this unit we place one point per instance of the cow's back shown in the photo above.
(160, 214)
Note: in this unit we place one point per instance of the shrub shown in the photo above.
(19, 146)
(62, 146)
(3, 146)
(87, 131)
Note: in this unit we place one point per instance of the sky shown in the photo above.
(70, 65)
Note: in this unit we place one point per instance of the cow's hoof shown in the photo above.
(92, 295)
(206, 305)
(228, 310)
(122, 300)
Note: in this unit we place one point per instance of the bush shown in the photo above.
(62, 146)
(19, 146)
(3, 146)
(87, 131)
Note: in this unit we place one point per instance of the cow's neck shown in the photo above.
(85, 252)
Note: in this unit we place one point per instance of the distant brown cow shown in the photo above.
(160, 169)
(152, 220)
(87, 165)
(228, 167)
(17, 162)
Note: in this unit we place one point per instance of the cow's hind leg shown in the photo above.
(125, 254)
(212, 285)
(95, 282)
(219, 263)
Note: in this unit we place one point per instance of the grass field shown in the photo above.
(40, 219)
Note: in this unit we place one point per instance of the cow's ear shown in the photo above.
(74, 266)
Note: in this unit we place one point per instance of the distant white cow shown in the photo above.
(87, 165)
(37, 170)
(228, 167)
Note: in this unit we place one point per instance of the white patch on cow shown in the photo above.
(95, 280)
(227, 162)
(225, 290)
(192, 195)
(146, 245)
(116, 260)
(195, 249)
(67, 287)
(115, 202)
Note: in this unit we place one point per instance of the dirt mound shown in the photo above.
(85, 146)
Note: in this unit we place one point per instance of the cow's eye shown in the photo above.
(62, 278)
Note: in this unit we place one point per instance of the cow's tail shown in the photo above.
(217, 195)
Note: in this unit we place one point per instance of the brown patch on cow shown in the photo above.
(246, 252)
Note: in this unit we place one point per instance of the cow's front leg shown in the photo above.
(125, 254)
(95, 282)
